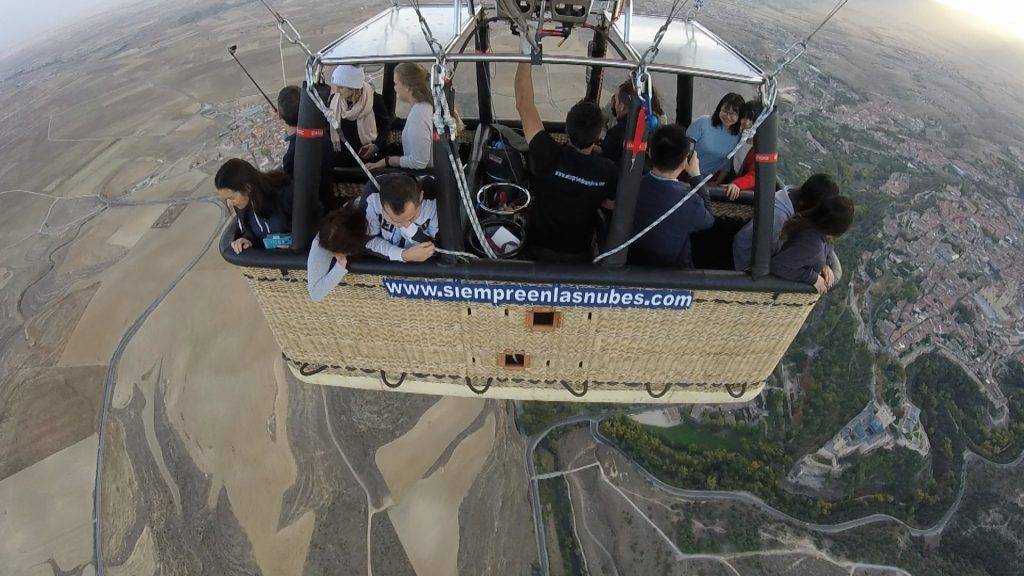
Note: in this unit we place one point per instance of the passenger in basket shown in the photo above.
(288, 109)
(262, 201)
(668, 243)
(363, 117)
(569, 182)
(741, 176)
(412, 86)
(788, 201)
(807, 241)
(611, 146)
(718, 134)
(401, 224)
(342, 234)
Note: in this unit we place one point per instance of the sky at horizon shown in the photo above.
(21, 26)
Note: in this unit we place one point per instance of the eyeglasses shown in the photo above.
(730, 112)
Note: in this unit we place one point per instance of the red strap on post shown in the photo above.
(309, 132)
(638, 144)
(766, 158)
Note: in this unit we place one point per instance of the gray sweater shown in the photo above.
(802, 257)
(417, 137)
(322, 272)
(743, 243)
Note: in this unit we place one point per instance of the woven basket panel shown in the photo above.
(732, 210)
(464, 137)
(491, 331)
(725, 338)
(347, 190)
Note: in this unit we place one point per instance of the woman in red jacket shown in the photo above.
(743, 166)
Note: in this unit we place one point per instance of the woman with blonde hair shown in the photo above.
(412, 86)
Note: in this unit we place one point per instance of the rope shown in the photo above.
(335, 123)
(795, 51)
(384, 380)
(652, 51)
(481, 389)
(769, 94)
(642, 82)
(280, 49)
(290, 33)
(581, 393)
(694, 10)
(444, 123)
(650, 390)
(747, 134)
(456, 253)
(293, 37)
(511, 8)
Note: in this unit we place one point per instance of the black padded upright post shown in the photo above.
(766, 157)
(598, 48)
(306, 208)
(449, 206)
(485, 106)
(631, 170)
(387, 91)
(684, 100)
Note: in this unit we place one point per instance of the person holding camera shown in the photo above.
(668, 244)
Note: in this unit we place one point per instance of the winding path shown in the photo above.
(730, 496)
(115, 360)
(370, 508)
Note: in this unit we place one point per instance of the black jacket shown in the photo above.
(327, 163)
(255, 227)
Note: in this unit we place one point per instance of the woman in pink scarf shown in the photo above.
(362, 115)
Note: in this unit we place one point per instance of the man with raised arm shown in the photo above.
(569, 183)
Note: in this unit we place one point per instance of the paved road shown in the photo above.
(531, 471)
(115, 360)
(728, 496)
(752, 500)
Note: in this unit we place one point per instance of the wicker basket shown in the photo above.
(720, 350)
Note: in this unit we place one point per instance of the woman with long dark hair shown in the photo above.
(807, 238)
(261, 200)
(343, 234)
(718, 134)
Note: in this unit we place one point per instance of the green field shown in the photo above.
(693, 434)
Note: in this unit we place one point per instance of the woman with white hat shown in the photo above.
(363, 117)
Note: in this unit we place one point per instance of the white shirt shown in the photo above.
(389, 241)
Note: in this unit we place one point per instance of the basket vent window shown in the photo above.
(514, 360)
(543, 320)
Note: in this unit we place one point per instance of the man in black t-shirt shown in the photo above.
(568, 182)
